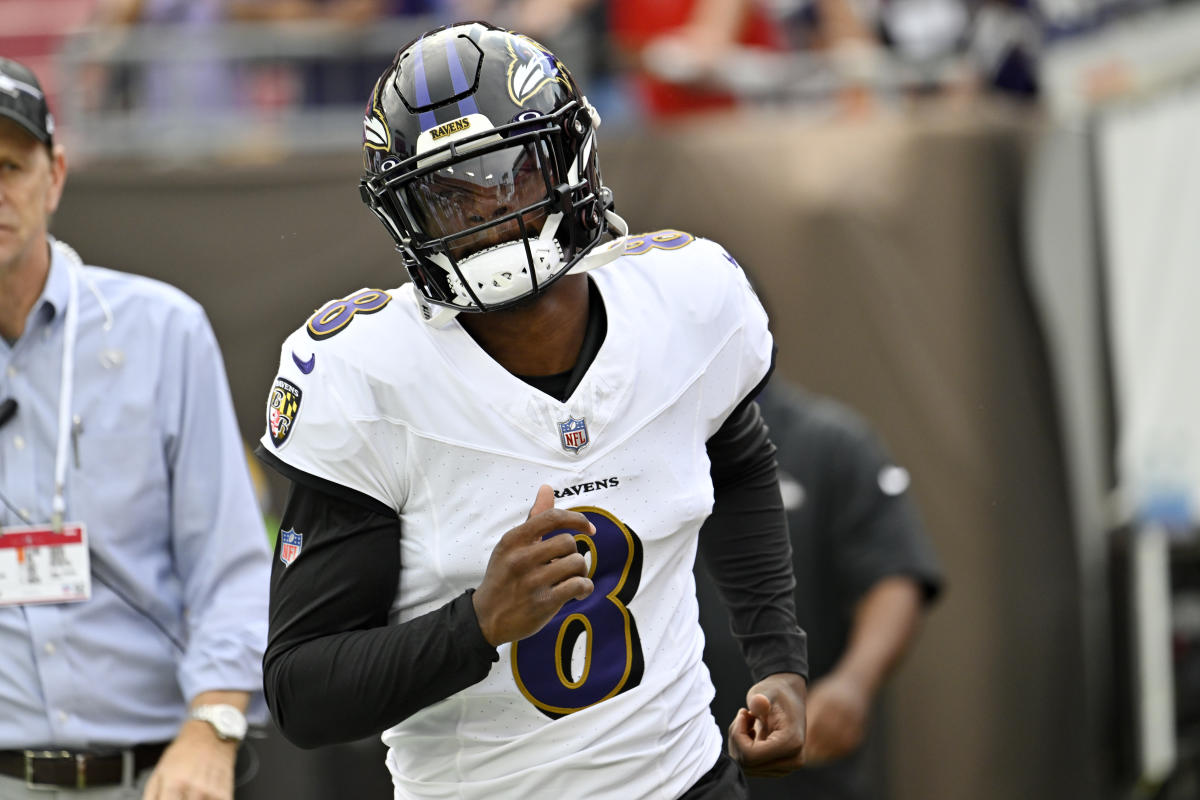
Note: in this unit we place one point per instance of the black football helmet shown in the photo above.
(480, 159)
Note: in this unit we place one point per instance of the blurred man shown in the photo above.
(865, 573)
(133, 561)
(499, 470)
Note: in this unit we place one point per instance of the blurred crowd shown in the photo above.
(637, 60)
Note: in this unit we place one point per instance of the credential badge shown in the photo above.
(282, 408)
(290, 543)
(574, 434)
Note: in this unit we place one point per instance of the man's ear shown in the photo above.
(58, 177)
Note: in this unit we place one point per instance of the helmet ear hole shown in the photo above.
(577, 124)
(590, 216)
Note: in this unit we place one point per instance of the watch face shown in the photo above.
(227, 720)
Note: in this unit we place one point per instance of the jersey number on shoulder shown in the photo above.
(659, 240)
(334, 316)
(590, 650)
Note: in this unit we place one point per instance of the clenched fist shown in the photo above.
(767, 736)
(531, 576)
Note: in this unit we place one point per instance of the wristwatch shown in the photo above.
(227, 721)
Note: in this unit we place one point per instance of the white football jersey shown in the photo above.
(611, 698)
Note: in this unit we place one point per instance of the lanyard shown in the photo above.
(66, 390)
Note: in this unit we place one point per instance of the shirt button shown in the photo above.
(62, 716)
(19, 442)
(49, 648)
(24, 512)
(12, 371)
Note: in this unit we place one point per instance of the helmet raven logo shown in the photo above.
(530, 69)
(375, 133)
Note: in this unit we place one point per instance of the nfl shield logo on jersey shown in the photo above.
(290, 543)
(574, 434)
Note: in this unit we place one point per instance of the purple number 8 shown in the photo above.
(544, 665)
(659, 240)
(336, 315)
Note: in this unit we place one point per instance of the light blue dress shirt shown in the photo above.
(158, 474)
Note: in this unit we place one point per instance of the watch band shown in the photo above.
(228, 721)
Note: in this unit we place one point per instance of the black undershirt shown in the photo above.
(561, 384)
(335, 670)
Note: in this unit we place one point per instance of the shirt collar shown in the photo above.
(57, 290)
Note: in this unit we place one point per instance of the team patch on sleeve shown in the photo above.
(282, 408)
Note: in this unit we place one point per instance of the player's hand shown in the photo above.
(528, 577)
(196, 766)
(767, 737)
(838, 708)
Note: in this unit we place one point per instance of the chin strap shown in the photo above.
(438, 316)
(609, 251)
(435, 315)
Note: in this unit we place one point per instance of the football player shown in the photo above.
(499, 469)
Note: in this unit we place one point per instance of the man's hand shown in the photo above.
(767, 737)
(528, 577)
(838, 708)
(197, 766)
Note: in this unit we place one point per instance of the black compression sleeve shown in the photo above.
(746, 548)
(334, 669)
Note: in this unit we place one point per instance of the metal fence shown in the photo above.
(263, 91)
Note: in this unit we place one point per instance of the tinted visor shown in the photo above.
(482, 201)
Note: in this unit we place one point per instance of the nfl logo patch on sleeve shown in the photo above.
(574, 434)
(290, 543)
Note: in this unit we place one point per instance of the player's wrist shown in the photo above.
(782, 682)
(486, 627)
(793, 679)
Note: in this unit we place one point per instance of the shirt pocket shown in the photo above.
(119, 484)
